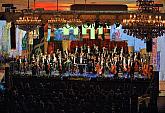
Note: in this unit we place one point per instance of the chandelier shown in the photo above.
(57, 21)
(28, 20)
(28, 23)
(147, 23)
(74, 22)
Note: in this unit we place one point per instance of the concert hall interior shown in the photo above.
(82, 56)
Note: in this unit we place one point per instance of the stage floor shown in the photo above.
(87, 74)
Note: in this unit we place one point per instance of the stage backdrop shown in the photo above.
(5, 45)
(116, 33)
(161, 57)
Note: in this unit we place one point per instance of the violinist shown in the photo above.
(150, 72)
(98, 69)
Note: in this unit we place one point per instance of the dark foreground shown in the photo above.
(30, 94)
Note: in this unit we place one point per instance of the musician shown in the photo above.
(42, 61)
(67, 64)
(19, 63)
(76, 49)
(54, 61)
(88, 50)
(89, 64)
(97, 50)
(85, 48)
(60, 63)
(129, 65)
(81, 49)
(118, 68)
(145, 70)
(81, 57)
(33, 65)
(25, 64)
(107, 67)
(38, 69)
(136, 66)
(98, 69)
(47, 65)
(81, 61)
(150, 72)
(103, 50)
(113, 69)
(114, 51)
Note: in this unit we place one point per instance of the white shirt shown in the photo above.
(80, 59)
(88, 50)
(20, 61)
(76, 50)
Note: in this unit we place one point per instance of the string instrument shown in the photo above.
(60, 66)
(74, 68)
(150, 71)
(48, 66)
(113, 69)
(98, 69)
(128, 69)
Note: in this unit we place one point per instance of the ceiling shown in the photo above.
(64, 4)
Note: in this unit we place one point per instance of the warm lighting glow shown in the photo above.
(144, 26)
(52, 5)
(134, 16)
(28, 20)
(74, 22)
(156, 17)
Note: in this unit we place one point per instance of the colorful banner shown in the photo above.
(30, 37)
(24, 42)
(5, 36)
(2, 28)
(49, 34)
(158, 61)
(154, 53)
(58, 33)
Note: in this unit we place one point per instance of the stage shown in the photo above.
(85, 75)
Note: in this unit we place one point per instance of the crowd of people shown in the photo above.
(34, 94)
(31, 94)
(99, 61)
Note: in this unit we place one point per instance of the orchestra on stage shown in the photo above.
(91, 60)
